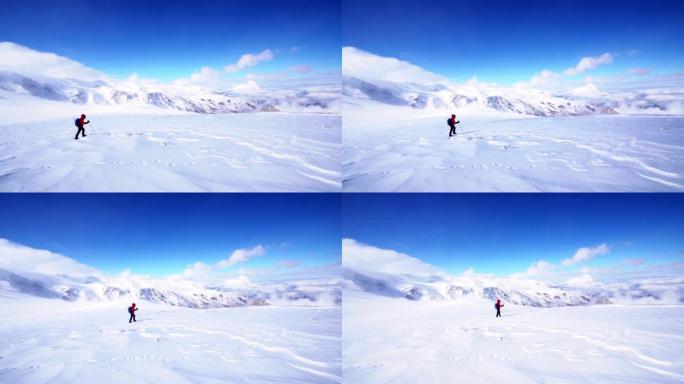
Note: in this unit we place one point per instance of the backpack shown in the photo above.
(76, 122)
(449, 121)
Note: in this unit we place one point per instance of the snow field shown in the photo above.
(72, 342)
(262, 152)
(398, 341)
(576, 153)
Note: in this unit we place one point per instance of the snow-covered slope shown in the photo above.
(391, 274)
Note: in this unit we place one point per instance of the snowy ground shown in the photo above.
(390, 152)
(399, 341)
(59, 342)
(181, 152)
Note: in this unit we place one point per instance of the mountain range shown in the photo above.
(523, 101)
(392, 274)
(189, 98)
(176, 291)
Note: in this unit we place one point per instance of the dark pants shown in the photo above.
(80, 130)
(498, 313)
(453, 130)
(132, 317)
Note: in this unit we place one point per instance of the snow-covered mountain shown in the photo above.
(392, 274)
(168, 96)
(172, 291)
(531, 102)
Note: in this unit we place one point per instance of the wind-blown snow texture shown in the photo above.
(43, 341)
(514, 138)
(180, 152)
(405, 321)
(399, 341)
(510, 153)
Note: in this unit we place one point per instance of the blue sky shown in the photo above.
(509, 41)
(160, 234)
(506, 233)
(171, 39)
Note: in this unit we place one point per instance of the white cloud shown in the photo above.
(582, 281)
(242, 255)
(587, 253)
(19, 258)
(539, 268)
(198, 269)
(545, 78)
(239, 282)
(250, 60)
(587, 90)
(204, 74)
(359, 63)
(248, 87)
(589, 63)
(24, 60)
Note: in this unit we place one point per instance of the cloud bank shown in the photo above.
(17, 257)
(17, 58)
(359, 63)
(360, 257)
